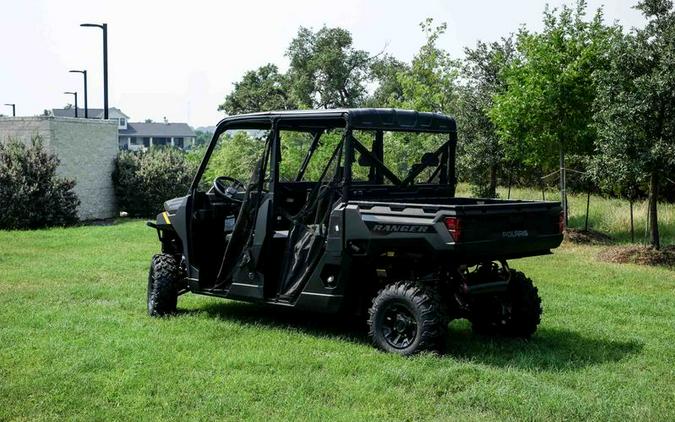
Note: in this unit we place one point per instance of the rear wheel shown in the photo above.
(408, 318)
(163, 285)
(515, 313)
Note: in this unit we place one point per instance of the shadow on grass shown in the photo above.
(549, 349)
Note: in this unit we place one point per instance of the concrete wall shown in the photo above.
(87, 149)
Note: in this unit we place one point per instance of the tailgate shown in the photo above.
(508, 229)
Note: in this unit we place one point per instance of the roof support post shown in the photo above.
(376, 175)
(308, 157)
(276, 156)
(452, 147)
(349, 158)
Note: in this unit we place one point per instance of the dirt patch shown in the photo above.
(642, 255)
(586, 237)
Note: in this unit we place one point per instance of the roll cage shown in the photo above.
(317, 122)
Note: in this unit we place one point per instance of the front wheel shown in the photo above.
(408, 318)
(163, 285)
(515, 313)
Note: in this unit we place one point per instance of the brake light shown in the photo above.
(454, 226)
(561, 222)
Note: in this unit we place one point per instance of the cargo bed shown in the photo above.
(469, 229)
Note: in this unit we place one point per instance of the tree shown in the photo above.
(263, 89)
(480, 148)
(389, 91)
(326, 71)
(236, 155)
(203, 137)
(546, 110)
(635, 108)
(430, 83)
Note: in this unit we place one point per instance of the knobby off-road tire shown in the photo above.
(408, 318)
(163, 285)
(515, 313)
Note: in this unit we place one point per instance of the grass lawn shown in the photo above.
(75, 342)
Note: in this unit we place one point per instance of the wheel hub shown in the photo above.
(399, 326)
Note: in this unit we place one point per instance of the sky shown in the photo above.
(178, 59)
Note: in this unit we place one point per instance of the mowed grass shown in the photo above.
(75, 343)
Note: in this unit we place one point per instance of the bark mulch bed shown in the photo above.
(643, 255)
(586, 237)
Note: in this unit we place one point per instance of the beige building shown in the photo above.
(138, 135)
(86, 149)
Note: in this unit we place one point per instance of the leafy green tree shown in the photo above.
(546, 110)
(430, 83)
(326, 71)
(635, 109)
(203, 137)
(384, 71)
(263, 89)
(236, 155)
(481, 153)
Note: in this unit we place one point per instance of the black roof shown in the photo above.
(159, 130)
(359, 118)
(92, 113)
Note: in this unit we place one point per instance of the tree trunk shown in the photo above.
(493, 181)
(588, 206)
(654, 239)
(632, 226)
(541, 180)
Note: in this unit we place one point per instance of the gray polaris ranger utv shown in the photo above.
(340, 231)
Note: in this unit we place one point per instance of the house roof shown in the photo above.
(92, 113)
(157, 130)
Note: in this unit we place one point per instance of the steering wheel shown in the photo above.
(227, 187)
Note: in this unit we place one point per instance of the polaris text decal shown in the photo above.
(515, 233)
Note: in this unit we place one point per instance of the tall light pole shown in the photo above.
(13, 109)
(104, 27)
(86, 109)
(75, 94)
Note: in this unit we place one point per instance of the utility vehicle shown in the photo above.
(339, 231)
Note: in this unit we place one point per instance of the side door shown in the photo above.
(250, 271)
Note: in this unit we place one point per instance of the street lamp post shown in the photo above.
(13, 109)
(86, 108)
(104, 27)
(75, 94)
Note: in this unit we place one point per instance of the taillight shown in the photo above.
(454, 226)
(561, 222)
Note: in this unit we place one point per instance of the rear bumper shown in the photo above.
(505, 248)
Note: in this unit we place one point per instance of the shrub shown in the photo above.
(31, 194)
(144, 180)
